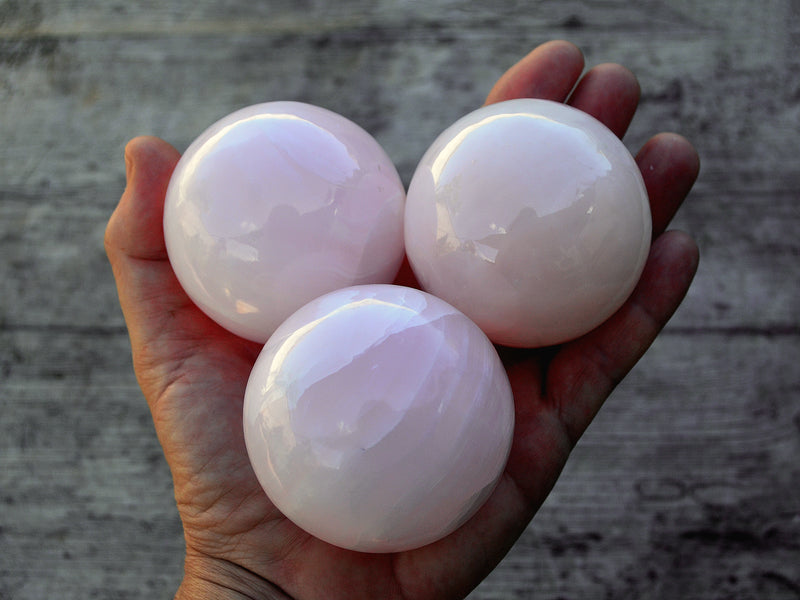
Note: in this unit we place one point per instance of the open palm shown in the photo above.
(193, 375)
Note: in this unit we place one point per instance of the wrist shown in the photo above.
(208, 578)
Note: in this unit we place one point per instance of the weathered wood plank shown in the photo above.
(708, 493)
(56, 195)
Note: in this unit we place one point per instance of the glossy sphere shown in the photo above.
(277, 204)
(378, 418)
(532, 218)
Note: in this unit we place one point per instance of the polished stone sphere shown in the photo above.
(277, 204)
(378, 418)
(532, 218)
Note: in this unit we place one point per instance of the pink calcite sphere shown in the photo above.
(277, 204)
(378, 418)
(532, 218)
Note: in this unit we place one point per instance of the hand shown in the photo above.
(193, 375)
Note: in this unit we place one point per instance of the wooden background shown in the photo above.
(686, 486)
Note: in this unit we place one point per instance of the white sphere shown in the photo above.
(277, 204)
(532, 218)
(378, 418)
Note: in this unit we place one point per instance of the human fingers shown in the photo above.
(669, 165)
(668, 162)
(135, 229)
(610, 93)
(548, 72)
(584, 372)
(134, 239)
(153, 303)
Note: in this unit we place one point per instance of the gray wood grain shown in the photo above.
(687, 483)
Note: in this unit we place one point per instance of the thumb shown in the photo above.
(135, 228)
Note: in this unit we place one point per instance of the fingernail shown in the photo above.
(128, 168)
